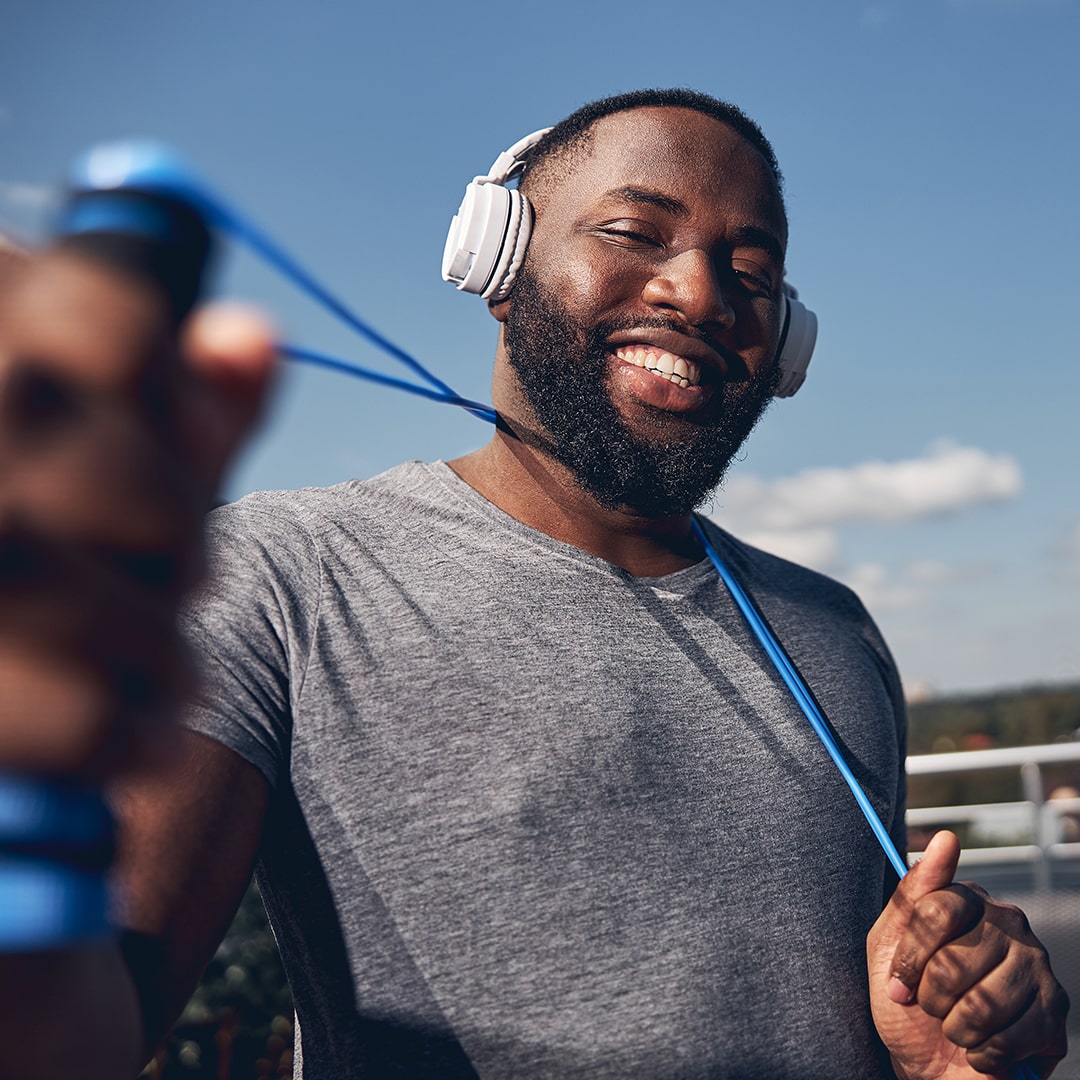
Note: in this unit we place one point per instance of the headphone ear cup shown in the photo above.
(513, 249)
(796, 345)
(487, 239)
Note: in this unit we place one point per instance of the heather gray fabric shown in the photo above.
(533, 817)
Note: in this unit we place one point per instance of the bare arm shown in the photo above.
(190, 832)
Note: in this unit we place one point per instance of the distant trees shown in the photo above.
(239, 1023)
(1029, 717)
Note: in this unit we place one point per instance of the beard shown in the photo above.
(674, 463)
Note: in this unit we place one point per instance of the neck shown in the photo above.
(539, 492)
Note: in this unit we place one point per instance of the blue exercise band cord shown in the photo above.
(159, 172)
(232, 222)
(799, 690)
(152, 169)
(775, 651)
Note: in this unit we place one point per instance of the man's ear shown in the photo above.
(500, 308)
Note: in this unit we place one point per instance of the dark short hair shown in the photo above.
(575, 129)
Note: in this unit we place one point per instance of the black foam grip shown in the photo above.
(154, 237)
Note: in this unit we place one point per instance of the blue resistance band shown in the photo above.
(56, 842)
(152, 168)
(245, 231)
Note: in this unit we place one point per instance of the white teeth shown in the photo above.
(662, 364)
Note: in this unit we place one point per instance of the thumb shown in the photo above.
(230, 350)
(935, 870)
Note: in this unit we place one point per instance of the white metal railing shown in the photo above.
(1044, 825)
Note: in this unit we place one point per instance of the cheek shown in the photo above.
(592, 284)
(757, 328)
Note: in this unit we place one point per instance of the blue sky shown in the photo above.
(931, 152)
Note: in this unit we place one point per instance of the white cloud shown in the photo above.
(818, 548)
(799, 517)
(26, 196)
(946, 479)
(871, 582)
(929, 571)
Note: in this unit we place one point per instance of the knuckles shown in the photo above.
(995, 993)
(943, 915)
(944, 978)
(974, 1016)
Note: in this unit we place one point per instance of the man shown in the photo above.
(519, 779)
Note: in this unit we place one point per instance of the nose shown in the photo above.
(688, 284)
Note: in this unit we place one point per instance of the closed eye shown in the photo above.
(625, 233)
(754, 279)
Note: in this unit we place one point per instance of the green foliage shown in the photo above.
(238, 1024)
(1029, 717)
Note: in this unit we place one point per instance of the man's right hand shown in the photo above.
(113, 440)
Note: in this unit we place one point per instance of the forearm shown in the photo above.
(69, 1012)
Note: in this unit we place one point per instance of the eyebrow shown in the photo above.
(652, 198)
(743, 236)
(752, 236)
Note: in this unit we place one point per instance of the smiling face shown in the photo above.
(642, 331)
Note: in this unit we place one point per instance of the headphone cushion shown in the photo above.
(798, 346)
(514, 247)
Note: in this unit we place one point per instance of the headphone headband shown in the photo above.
(512, 160)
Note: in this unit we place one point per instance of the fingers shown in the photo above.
(108, 433)
(890, 934)
(90, 660)
(87, 425)
(936, 919)
(994, 992)
(950, 952)
(231, 353)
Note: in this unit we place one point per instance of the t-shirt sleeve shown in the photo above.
(250, 626)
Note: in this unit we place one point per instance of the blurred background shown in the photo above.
(930, 151)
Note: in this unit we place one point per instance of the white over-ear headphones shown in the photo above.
(490, 232)
(796, 343)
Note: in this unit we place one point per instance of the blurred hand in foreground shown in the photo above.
(115, 432)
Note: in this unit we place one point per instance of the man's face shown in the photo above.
(642, 331)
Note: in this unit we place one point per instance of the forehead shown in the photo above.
(679, 152)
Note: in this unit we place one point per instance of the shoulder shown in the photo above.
(803, 603)
(280, 520)
(312, 509)
(761, 570)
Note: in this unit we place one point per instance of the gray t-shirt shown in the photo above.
(535, 817)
